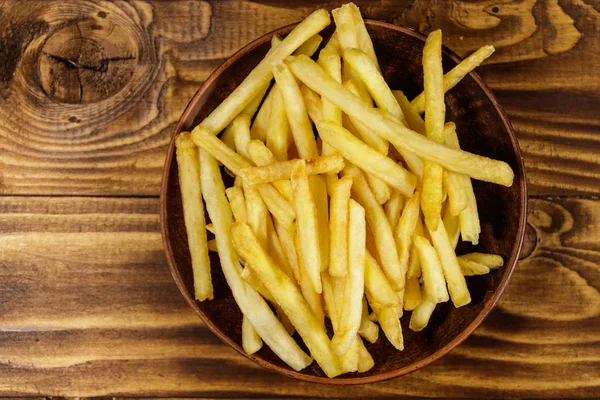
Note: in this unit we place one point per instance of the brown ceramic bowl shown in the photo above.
(483, 129)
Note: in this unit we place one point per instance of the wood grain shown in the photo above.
(88, 308)
(90, 90)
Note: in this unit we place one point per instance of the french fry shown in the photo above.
(421, 315)
(414, 265)
(350, 358)
(228, 138)
(258, 130)
(329, 298)
(366, 158)
(351, 307)
(457, 74)
(377, 284)
(296, 111)
(432, 195)
(313, 103)
(257, 213)
(457, 199)
(310, 46)
(278, 129)
(251, 304)
(219, 150)
(393, 208)
(475, 166)
(412, 294)
(251, 341)
(405, 229)
(277, 205)
(452, 227)
(288, 297)
(338, 227)
(262, 156)
(275, 249)
(389, 320)
(471, 268)
(362, 35)
(241, 134)
(237, 202)
(380, 189)
(318, 188)
(285, 321)
(193, 214)
(286, 238)
(434, 284)
(309, 293)
(368, 329)
(254, 282)
(283, 170)
(492, 261)
(457, 286)
(415, 122)
(382, 233)
(470, 227)
(308, 230)
(243, 94)
(365, 360)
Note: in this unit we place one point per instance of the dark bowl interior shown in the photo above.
(482, 128)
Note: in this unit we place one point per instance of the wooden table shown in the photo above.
(89, 95)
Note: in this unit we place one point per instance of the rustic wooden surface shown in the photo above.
(89, 93)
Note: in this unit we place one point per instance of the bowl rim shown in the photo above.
(461, 337)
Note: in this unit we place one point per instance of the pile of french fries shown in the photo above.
(346, 204)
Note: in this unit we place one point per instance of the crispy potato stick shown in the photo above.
(457, 73)
(311, 296)
(310, 46)
(366, 158)
(432, 194)
(228, 137)
(412, 294)
(365, 361)
(338, 227)
(421, 315)
(452, 227)
(263, 72)
(351, 308)
(251, 341)
(262, 156)
(368, 330)
(475, 166)
(254, 282)
(241, 134)
(261, 121)
(278, 205)
(283, 170)
(308, 229)
(296, 111)
(252, 107)
(470, 227)
(219, 150)
(286, 238)
(212, 245)
(364, 131)
(350, 358)
(313, 103)
(414, 265)
(492, 261)
(380, 189)
(389, 320)
(318, 189)
(405, 230)
(377, 284)
(471, 268)
(193, 214)
(362, 35)
(237, 202)
(434, 284)
(457, 286)
(251, 304)
(382, 233)
(370, 75)
(257, 213)
(275, 249)
(288, 297)
(278, 129)
(457, 199)
(329, 297)
(415, 122)
(393, 208)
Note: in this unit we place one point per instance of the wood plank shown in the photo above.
(108, 135)
(88, 308)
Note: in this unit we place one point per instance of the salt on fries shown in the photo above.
(356, 225)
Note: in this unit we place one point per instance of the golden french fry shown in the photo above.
(350, 312)
(285, 321)
(421, 315)
(366, 158)
(414, 265)
(296, 111)
(457, 199)
(254, 282)
(286, 238)
(471, 268)
(193, 215)
(368, 330)
(380, 189)
(278, 129)
(382, 233)
(288, 297)
(330, 61)
(389, 320)
(219, 150)
(283, 170)
(364, 131)
(310, 46)
(338, 227)
(329, 298)
(470, 227)
(475, 166)
(278, 205)
(251, 341)
(365, 361)
(457, 286)
(318, 189)
(262, 156)
(308, 230)
(241, 134)
(313, 103)
(457, 73)
(258, 130)
(212, 245)
(275, 249)
(257, 213)
(309, 293)
(243, 94)
(251, 304)
(362, 35)
(452, 227)
(492, 261)
(350, 358)
(237, 202)
(405, 229)
(227, 137)
(432, 194)
(434, 284)
(412, 294)
(393, 208)
(415, 122)
(377, 285)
